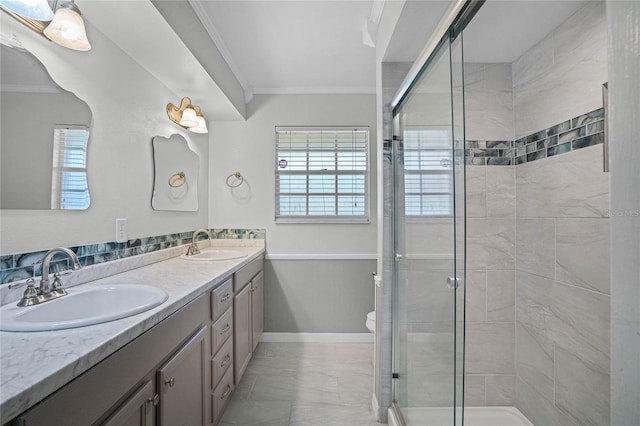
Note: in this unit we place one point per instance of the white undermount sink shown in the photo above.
(83, 306)
(208, 255)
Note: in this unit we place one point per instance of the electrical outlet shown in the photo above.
(121, 230)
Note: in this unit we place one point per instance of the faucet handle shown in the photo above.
(19, 284)
(57, 283)
(30, 296)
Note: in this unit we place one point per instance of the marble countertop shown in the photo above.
(35, 364)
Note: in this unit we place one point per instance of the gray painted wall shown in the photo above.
(318, 296)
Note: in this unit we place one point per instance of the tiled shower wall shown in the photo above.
(562, 230)
(491, 236)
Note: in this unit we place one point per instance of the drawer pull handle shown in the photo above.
(226, 393)
(170, 382)
(225, 297)
(226, 360)
(225, 329)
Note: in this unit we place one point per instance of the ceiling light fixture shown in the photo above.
(67, 28)
(187, 116)
(30, 9)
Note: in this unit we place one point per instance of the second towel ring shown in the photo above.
(239, 180)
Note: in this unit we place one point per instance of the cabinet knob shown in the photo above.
(155, 399)
(170, 382)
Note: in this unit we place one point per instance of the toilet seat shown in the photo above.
(371, 321)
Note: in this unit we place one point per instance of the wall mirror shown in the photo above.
(176, 169)
(43, 139)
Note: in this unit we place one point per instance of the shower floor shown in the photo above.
(473, 416)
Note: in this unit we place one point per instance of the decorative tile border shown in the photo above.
(579, 132)
(20, 266)
(490, 153)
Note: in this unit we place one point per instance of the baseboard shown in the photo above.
(380, 414)
(318, 337)
(393, 419)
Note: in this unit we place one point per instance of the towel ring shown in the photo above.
(177, 180)
(239, 180)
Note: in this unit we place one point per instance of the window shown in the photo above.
(69, 188)
(322, 174)
(428, 172)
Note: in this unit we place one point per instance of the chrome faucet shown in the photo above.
(193, 247)
(46, 291)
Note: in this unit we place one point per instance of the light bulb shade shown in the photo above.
(189, 118)
(67, 28)
(201, 127)
(32, 9)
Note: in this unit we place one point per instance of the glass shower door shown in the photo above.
(429, 243)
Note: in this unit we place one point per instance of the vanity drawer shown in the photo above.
(221, 299)
(221, 362)
(244, 275)
(222, 395)
(221, 330)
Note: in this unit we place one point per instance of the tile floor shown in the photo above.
(305, 384)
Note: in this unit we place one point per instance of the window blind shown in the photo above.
(322, 174)
(428, 172)
(69, 188)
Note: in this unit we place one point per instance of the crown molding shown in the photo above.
(323, 90)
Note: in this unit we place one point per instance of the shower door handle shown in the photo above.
(453, 283)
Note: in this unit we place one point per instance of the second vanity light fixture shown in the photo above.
(65, 27)
(188, 116)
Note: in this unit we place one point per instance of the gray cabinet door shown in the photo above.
(181, 384)
(138, 410)
(241, 331)
(257, 319)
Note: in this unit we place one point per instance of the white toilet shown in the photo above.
(371, 321)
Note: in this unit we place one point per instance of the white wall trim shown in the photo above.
(333, 90)
(321, 256)
(375, 407)
(318, 337)
(392, 418)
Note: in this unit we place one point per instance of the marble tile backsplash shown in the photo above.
(21, 266)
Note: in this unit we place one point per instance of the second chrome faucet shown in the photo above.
(193, 247)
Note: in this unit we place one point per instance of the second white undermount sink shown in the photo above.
(83, 306)
(209, 255)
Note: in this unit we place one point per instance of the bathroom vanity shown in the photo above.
(178, 363)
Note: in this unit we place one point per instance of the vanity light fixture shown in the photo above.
(188, 116)
(67, 28)
(30, 9)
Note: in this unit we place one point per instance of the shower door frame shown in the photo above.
(465, 12)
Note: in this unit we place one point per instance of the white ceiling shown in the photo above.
(304, 46)
(315, 46)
